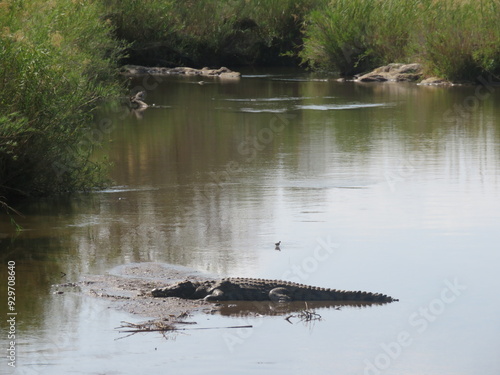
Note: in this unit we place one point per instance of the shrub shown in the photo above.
(354, 36)
(463, 39)
(56, 63)
(457, 40)
(451, 36)
(392, 29)
(337, 37)
(209, 32)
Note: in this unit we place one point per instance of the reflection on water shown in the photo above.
(263, 308)
(326, 107)
(390, 188)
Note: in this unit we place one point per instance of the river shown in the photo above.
(391, 188)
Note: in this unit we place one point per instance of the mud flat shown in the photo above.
(128, 288)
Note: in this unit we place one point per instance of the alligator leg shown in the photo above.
(280, 295)
(216, 295)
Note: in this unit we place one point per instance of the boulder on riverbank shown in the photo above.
(394, 73)
(137, 70)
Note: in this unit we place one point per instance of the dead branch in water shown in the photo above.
(163, 327)
(305, 316)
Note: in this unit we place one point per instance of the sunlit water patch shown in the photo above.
(328, 107)
(263, 110)
(275, 99)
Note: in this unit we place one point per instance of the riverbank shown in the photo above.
(128, 288)
(455, 40)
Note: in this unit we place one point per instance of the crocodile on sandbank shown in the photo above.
(248, 289)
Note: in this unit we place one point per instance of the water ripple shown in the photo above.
(328, 107)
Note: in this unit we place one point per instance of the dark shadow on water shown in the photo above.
(269, 308)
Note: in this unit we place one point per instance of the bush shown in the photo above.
(208, 32)
(337, 37)
(461, 39)
(151, 29)
(57, 61)
(457, 40)
(392, 29)
(352, 36)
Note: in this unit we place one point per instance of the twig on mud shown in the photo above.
(305, 316)
(161, 326)
(149, 326)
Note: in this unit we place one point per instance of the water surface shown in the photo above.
(391, 188)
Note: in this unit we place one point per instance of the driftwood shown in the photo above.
(163, 326)
(305, 316)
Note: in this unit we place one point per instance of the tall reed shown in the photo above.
(337, 36)
(461, 40)
(56, 64)
(457, 40)
(351, 36)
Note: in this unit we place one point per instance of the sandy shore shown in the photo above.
(128, 288)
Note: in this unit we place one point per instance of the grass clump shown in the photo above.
(337, 37)
(460, 40)
(457, 40)
(56, 63)
(352, 36)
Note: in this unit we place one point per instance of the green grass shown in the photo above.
(337, 37)
(460, 40)
(457, 40)
(352, 36)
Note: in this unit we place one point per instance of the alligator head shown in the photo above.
(184, 289)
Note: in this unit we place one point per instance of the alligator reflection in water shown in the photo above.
(270, 308)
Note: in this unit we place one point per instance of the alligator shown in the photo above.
(248, 289)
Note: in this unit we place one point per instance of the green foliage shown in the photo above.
(280, 26)
(337, 36)
(56, 63)
(461, 40)
(391, 24)
(457, 40)
(352, 36)
(209, 32)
